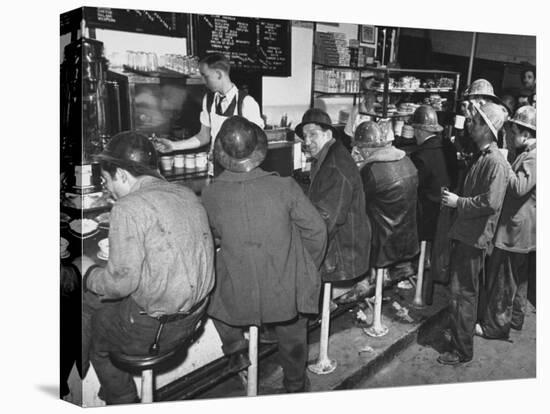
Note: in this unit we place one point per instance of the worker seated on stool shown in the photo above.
(272, 241)
(430, 160)
(337, 192)
(161, 262)
(390, 182)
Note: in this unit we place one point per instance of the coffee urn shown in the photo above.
(83, 121)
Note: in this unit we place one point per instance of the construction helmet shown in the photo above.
(493, 114)
(425, 118)
(526, 116)
(482, 88)
(131, 151)
(240, 145)
(369, 134)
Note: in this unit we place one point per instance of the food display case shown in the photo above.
(401, 91)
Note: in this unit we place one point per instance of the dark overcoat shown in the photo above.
(272, 243)
(433, 173)
(337, 192)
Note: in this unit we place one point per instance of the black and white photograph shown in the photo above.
(290, 206)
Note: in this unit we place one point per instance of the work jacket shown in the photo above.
(161, 251)
(390, 182)
(272, 242)
(480, 201)
(517, 227)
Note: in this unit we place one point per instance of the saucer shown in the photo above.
(101, 256)
(64, 255)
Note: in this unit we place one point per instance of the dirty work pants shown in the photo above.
(117, 326)
(508, 274)
(465, 267)
(292, 342)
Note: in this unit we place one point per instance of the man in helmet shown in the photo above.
(160, 265)
(480, 91)
(390, 182)
(336, 191)
(437, 168)
(224, 100)
(478, 209)
(434, 169)
(511, 267)
(272, 242)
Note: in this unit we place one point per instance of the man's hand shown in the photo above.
(449, 199)
(164, 145)
(83, 263)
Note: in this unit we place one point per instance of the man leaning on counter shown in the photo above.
(223, 101)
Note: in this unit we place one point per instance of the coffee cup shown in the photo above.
(104, 247)
(166, 162)
(201, 161)
(398, 127)
(179, 161)
(190, 162)
(459, 121)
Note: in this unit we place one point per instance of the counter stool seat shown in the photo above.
(142, 362)
(145, 364)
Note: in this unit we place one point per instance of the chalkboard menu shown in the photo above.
(138, 21)
(251, 44)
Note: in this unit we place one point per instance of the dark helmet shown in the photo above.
(369, 134)
(131, 151)
(240, 145)
(315, 116)
(425, 118)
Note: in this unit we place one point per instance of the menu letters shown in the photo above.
(258, 45)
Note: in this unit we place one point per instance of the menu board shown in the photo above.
(138, 21)
(251, 44)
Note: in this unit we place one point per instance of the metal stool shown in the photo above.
(418, 301)
(324, 364)
(146, 364)
(252, 375)
(378, 329)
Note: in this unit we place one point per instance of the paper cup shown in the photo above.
(104, 247)
(201, 161)
(398, 127)
(190, 162)
(179, 161)
(166, 162)
(459, 121)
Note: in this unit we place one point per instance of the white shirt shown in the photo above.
(209, 117)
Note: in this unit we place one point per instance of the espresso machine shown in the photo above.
(85, 123)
